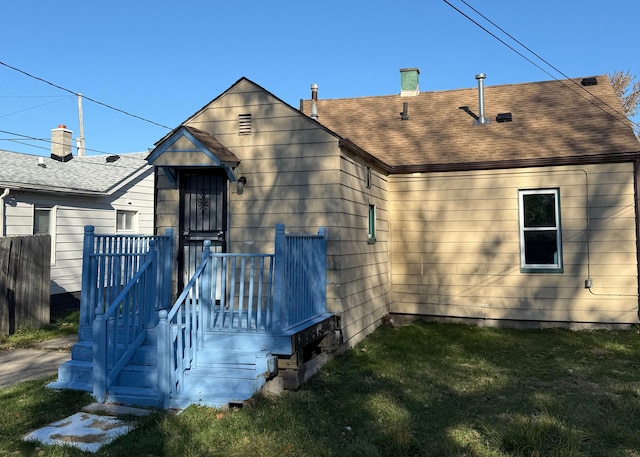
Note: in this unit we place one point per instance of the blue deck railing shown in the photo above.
(126, 289)
(242, 293)
(109, 264)
(120, 329)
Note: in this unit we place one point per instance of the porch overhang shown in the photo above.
(190, 147)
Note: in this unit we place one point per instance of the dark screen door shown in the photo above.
(203, 216)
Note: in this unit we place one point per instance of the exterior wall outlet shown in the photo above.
(588, 283)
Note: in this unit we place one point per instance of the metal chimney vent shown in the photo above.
(314, 101)
(482, 120)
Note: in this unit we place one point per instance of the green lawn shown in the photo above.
(419, 390)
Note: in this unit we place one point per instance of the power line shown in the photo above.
(27, 137)
(543, 60)
(37, 106)
(84, 96)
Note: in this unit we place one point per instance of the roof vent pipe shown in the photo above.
(314, 101)
(482, 120)
(404, 115)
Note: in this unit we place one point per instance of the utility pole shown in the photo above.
(80, 139)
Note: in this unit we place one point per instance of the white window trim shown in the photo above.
(541, 268)
(134, 222)
(52, 226)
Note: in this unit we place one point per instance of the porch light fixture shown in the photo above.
(242, 181)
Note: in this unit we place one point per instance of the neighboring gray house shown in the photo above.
(62, 193)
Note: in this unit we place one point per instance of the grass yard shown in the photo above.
(419, 390)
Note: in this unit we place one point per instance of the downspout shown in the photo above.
(2, 197)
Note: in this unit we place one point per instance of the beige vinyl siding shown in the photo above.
(290, 163)
(297, 175)
(359, 270)
(455, 246)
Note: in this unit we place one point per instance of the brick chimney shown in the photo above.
(61, 144)
(409, 78)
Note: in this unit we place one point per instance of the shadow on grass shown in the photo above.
(420, 390)
(30, 405)
(431, 389)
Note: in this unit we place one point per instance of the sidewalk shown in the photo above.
(18, 365)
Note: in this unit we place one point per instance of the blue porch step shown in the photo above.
(77, 373)
(220, 378)
(230, 368)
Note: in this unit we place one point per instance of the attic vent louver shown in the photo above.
(244, 124)
(112, 158)
(504, 117)
(590, 81)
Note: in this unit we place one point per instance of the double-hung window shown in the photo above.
(540, 232)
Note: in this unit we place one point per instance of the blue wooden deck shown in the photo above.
(216, 344)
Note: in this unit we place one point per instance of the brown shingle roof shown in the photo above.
(214, 146)
(553, 122)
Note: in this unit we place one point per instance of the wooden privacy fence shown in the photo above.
(25, 272)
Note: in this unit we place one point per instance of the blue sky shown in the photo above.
(164, 60)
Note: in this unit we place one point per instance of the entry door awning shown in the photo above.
(190, 147)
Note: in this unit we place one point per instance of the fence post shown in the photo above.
(205, 292)
(164, 360)
(279, 280)
(99, 355)
(151, 291)
(86, 307)
(167, 267)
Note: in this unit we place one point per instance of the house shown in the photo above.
(62, 193)
(510, 205)
(505, 205)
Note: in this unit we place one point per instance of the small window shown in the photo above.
(368, 177)
(540, 234)
(44, 224)
(125, 221)
(372, 223)
(244, 124)
(41, 221)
